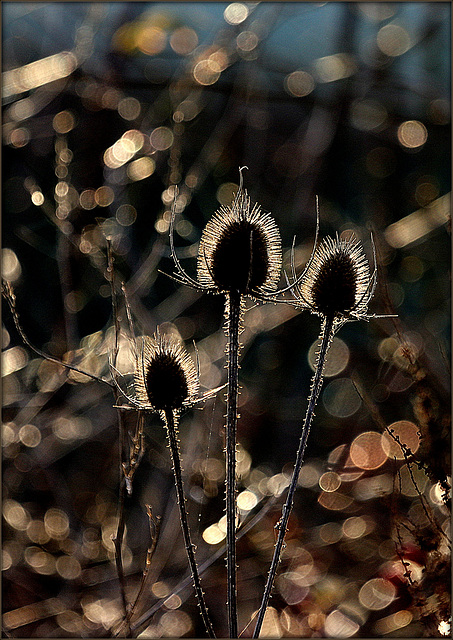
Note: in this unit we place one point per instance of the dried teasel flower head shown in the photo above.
(165, 376)
(240, 250)
(337, 283)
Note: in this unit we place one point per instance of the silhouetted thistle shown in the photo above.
(165, 376)
(239, 255)
(240, 250)
(337, 285)
(166, 381)
(337, 282)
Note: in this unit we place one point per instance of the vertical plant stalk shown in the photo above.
(326, 338)
(234, 312)
(170, 423)
(119, 535)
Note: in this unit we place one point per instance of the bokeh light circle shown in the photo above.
(377, 593)
(366, 451)
(336, 360)
(404, 432)
(341, 399)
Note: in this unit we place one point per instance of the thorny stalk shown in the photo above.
(327, 332)
(170, 423)
(234, 312)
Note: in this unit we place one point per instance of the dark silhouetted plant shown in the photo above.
(166, 382)
(239, 255)
(338, 286)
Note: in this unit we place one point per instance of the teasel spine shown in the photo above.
(327, 334)
(171, 420)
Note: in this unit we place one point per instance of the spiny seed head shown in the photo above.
(165, 375)
(337, 281)
(240, 250)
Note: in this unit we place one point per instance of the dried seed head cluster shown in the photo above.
(165, 375)
(240, 250)
(337, 283)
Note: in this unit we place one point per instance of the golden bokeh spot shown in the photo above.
(126, 215)
(161, 138)
(247, 41)
(412, 134)
(15, 515)
(334, 501)
(39, 560)
(226, 192)
(68, 567)
(37, 533)
(30, 435)
(335, 67)
(63, 122)
(337, 357)
(235, 13)
(329, 481)
(37, 198)
(377, 594)
(246, 500)
(407, 434)
(56, 523)
(160, 589)
(175, 624)
(354, 527)
(366, 451)
(338, 625)
(183, 41)
(13, 359)
(11, 269)
(213, 534)
(206, 72)
(19, 137)
(87, 199)
(136, 137)
(392, 623)
(104, 196)
(330, 533)
(129, 108)
(393, 40)
(299, 84)
(141, 168)
(150, 39)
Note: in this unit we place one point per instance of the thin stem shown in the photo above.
(326, 338)
(8, 293)
(170, 423)
(234, 312)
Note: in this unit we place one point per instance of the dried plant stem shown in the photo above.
(326, 338)
(9, 295)
(170, 423)
(118, 539)
(234, 313)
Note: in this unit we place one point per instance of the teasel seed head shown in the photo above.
(337, 283)
(165, 376)
(240, 250)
